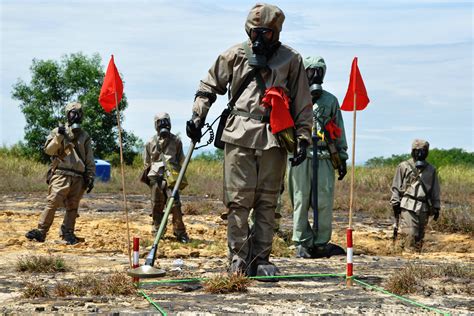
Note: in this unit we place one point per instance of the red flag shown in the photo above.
(112, 85)
(280, 117)
(356, 87)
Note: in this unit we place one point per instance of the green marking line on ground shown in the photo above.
(155, 305)
(373, 287)
(290, 276)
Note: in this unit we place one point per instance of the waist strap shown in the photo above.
(419, 199)
(258, 117)
(70, 170)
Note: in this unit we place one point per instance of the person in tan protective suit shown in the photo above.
(254, 157)
(162, 152)
(415, 195)
(72, 171)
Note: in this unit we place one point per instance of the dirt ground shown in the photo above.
(104, 250)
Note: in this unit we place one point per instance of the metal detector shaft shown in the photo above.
(395, 228)
(314, 182)
(150, 259)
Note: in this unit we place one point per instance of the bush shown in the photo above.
(437, 157)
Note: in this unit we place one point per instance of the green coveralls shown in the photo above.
(300, 178)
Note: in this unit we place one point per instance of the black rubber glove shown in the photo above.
(396, 210)
(435, 214)
(300, 155)
(342, 170)
(90, 185)
(194, 132)
(61, 129)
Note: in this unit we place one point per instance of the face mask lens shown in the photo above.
(310, 73)
(164, 123)
(74, 116)
(265, 34)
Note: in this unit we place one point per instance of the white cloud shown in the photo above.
(415, 57)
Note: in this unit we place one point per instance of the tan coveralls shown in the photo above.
(409, 194)
(67, 185)
(158, 151)
(254, 162)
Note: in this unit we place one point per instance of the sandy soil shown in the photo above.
(104, 250)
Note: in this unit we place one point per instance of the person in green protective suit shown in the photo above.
(313, 242)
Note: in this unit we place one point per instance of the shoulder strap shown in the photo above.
(241, 89)
(258, 76)
(418, 176)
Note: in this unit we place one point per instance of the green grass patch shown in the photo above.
(118, 283)
(414, 278)
(34, 290)
(41, 264)
(227, 283)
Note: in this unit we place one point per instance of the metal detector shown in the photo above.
(147, 270)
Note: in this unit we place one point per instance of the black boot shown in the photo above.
(238, 266)
(327, 251)
(36, 234)
(267, 270)
(303, 252)
(70, 239)
(182, 238)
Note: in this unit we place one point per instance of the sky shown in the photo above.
(416, 58)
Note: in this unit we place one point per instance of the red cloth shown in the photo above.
(333, 130)
(280, 117)
(112, 85)
(356, 87)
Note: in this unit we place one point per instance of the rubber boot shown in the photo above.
(70, 239)
(303, 252)
(266, 269)
(238, 266)
(182, 238)
(36, 234)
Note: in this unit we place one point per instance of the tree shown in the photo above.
(76, 77)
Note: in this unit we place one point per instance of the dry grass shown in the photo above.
(113, 285)
(227, 283)
(201, 208)
(414, 278)
(41, 264)
(34, 290)
(205, 179)
(280, 247)
(455, 220)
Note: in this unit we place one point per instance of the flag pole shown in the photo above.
(123, 181)
(351, 203)
(349, 270)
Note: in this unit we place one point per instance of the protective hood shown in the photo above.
(265, 15)
(74, 119)
(420, 144)
(314, 62)
(73, 106)
(163, 124)
(419, 152)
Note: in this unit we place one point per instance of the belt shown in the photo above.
(417, 198)
(70, 170)
(258, 117)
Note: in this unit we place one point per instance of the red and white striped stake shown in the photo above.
(136, 248)
(349, 257)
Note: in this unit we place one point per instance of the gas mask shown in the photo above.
(419, 155)
(315, 80)
(261, 38)
(163, 127)
(74, 118)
